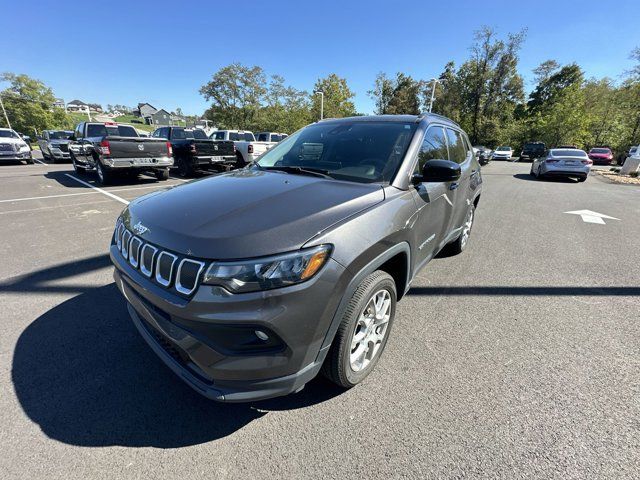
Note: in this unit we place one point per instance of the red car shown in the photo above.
(601, 156)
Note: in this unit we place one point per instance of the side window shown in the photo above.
(457, 148)
(155, 134)
(262, 137)
(79, 130)
(219, 136)
(434, 146)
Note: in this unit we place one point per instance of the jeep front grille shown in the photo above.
(165, 268)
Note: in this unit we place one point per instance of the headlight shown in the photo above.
(268, 272)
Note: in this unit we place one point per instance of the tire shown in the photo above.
(531, 172)
(76, 168)
(163, 174)
(460, 244)
(184, 169)
(29, 161)
(343, 366)
(240, 163)
(582, 179)
(105, 176)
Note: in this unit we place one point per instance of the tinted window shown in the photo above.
(248, 137)
(568, 153)
(99, 130)
(434, 146)
(199, 134)
(262, 137)
(59, 135)
(218, 136)
(600, 150)
(457, 148)
(350, 150)
(178, 134)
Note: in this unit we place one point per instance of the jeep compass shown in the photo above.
(250, 283)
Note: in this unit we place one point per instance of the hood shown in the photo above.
(246, 213)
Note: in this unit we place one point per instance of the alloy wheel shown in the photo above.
(370, 330)
(466, 228)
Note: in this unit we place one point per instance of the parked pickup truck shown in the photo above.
(111, 148)
(247, 149)
(193, 150)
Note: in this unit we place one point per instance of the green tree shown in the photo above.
(29, 105)
(337, 98)
(236, 93)
(398, 96)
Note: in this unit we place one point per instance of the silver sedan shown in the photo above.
(562, 162)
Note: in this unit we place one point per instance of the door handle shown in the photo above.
(454, 185)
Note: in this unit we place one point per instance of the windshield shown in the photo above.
(568, 153)
(503, 149)
(600, 150)
(363, 152)
(534, 146)
(8, 134)
(60, 135)
(99, 130)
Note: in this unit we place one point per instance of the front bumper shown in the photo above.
(59, 154)
(203, 338)
(15, 156)
(138, 162)
(500, 157)
(203, 161)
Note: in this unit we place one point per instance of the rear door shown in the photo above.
(432, 199)
(460, 191)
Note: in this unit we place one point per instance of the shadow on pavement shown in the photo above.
(85, 376)
(41, 281)
(62, 177)
(527, 291)
(531, 178)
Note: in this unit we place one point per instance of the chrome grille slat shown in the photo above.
(181, 288)
(159, 278)
(134, 251)
(126, 238)
(143, 267)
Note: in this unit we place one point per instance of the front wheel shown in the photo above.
(582, 179)
(363, 332)
(76, 168)
(184, 168)
(29, 160)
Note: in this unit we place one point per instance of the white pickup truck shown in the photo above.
(247, 148)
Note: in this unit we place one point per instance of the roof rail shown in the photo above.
(429, 114)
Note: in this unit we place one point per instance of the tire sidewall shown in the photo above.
(384, 282)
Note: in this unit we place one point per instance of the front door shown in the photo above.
(433, 200)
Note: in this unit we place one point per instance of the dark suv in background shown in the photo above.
(249, 283)
(532, 150)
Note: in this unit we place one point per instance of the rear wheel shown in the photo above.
(239, 160)
(29, 160)
(460, 243)
(184, 169)
(582, 179)
(363, 331)
(162, 174)
(105, 176)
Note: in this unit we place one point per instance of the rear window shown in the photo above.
(600, 150)
(199, 134)
(568, 153)
(503, 149)
(98, 130)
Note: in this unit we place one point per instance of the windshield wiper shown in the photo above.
(315, 172)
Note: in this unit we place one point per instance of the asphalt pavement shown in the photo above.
(517, 359)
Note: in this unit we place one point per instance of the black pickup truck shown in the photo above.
(110, 148)
(193, 150)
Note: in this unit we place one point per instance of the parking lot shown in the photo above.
(517, 359)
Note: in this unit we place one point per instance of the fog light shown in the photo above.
(261, 335)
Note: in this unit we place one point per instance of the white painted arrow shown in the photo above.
(592, 217)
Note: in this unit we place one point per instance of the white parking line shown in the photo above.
(23, 199)
(40, 161)
(176, 178)
(104, 192)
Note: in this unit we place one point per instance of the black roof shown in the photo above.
(430, 117)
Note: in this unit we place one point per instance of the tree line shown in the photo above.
(485, 94)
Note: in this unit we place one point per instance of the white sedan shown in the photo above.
(563, 162)
(502, 153)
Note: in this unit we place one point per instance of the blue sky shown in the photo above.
(163, 51)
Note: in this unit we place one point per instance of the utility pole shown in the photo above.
(433, 92)
(321, 103)
(5, 112)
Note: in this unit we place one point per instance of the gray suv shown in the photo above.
(249, 283)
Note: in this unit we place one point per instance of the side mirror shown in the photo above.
(438, 171)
